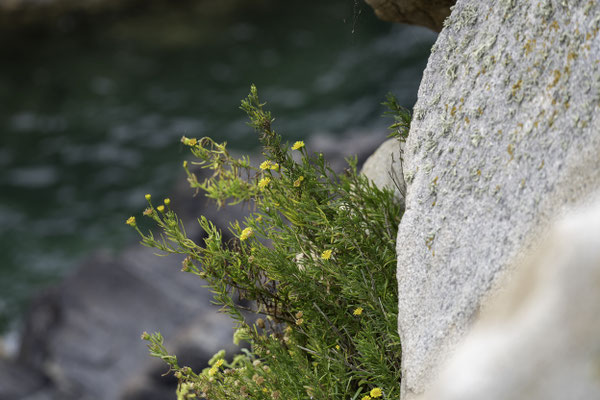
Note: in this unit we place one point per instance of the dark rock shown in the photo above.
(85, 334)
(17, 381)
(428, 13)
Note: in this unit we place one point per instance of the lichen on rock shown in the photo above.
(505, 136)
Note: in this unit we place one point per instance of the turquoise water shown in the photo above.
(90, 119)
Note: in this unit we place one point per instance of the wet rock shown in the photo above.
(19, 382)
(428, 13)
(504, 137)
(85, 334)
(540, 339)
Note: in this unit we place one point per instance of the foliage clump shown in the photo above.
(315, 257)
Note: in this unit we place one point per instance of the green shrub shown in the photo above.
(316, 258)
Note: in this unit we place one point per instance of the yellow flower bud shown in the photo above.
(188, 141)
(246, 233)
(265, 165)
(264, 182)
(326, 255)
(268, 165)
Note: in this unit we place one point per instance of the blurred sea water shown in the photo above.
(90, 119)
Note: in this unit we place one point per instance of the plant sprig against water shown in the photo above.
(316, 256)
(402, 118)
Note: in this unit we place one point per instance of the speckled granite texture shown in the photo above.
(506, 133)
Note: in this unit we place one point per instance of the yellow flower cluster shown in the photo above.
(161, 208)
(246, 233)
(375, 393)
(358, 311)
(264, 182)
(269, 165)
(298, 145)
(130, 221)
(326, 255)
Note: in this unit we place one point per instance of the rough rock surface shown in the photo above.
(504, 136)
(429, 13)
(540, 339)
(384, 167)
